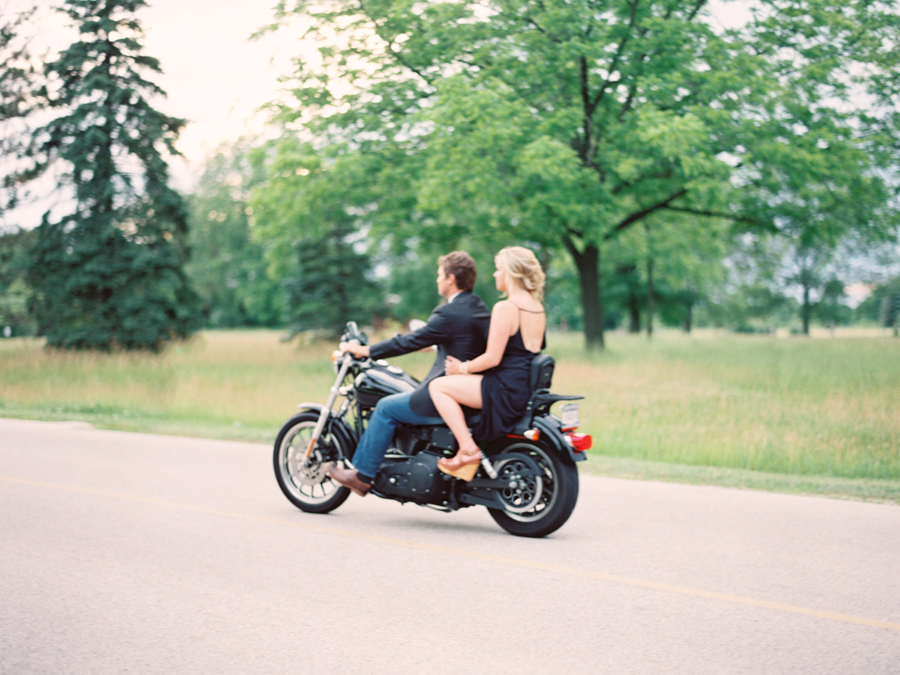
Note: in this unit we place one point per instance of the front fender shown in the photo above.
(551, 434)
(336, 426)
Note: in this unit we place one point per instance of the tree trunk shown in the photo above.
(895, 313)
(805, 310)
(649, 298)
(635, 313)
(688, 316)
(588, 264)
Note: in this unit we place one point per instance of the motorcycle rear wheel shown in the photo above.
(558, 493)
(307, 486)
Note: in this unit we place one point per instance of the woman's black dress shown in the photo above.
(505, 390)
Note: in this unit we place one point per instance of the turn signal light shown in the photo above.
(532, 434)
(580, 442)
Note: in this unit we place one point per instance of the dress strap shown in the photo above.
(530, 311)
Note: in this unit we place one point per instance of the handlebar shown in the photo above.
(339, 353)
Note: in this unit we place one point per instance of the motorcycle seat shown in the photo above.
(542, 367)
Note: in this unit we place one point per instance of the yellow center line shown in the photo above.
(514, 562)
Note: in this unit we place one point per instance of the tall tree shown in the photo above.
(110, 273)
(18, 87)
(576, 120)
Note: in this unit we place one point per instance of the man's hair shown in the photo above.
(461, 266)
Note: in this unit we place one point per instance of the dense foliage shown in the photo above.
(227, 267)
(15, 293)
(666, 169)
(883, 305)
(300, 212)
(566, 124)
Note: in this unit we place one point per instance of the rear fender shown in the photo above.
(554, 437)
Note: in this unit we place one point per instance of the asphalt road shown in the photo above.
(132, 553)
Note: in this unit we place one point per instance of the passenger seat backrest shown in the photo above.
(542, 371)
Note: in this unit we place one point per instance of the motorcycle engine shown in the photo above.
(415, 479)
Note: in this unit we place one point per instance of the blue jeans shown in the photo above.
(389, 412)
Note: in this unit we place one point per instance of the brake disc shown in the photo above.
(307, 473)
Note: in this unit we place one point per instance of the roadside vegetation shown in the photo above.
(789, 414)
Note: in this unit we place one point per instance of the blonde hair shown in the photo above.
(521, 264)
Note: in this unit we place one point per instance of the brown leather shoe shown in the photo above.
(348, 478)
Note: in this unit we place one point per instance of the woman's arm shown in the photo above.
(503, 320)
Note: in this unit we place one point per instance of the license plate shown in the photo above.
(569, 416)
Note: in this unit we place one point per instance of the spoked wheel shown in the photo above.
(306, 484)
(537, 504)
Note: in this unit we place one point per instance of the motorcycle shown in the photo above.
(528, 480)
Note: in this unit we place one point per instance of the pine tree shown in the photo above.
(18, 85)
(110, 274)
(328, 286)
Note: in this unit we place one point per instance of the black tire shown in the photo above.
(308, 488)
(541, 514)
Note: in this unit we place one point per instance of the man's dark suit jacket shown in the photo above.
(458, 328)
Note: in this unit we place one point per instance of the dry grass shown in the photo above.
(232, 384)
(799, 406)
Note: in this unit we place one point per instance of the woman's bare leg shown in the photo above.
(449, 394)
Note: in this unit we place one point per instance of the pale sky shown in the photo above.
(215, 76)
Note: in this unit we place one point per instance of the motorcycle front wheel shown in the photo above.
(305, 484)
(541, 504)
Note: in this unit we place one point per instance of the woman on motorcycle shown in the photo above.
(498, 381)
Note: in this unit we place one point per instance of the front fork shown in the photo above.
(326, 409)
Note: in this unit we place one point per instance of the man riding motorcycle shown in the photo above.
(457, 328)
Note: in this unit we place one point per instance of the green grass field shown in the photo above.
(807, 415)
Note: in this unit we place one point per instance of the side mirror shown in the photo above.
(353, 333)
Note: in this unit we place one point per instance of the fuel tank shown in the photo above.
(381, 379)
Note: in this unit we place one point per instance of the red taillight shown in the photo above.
(531, 435)
(580, 442)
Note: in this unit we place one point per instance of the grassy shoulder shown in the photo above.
(817, 416)
(861, 489)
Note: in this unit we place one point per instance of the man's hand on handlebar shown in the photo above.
(359, 351)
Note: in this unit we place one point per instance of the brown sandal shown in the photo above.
(464, 465)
